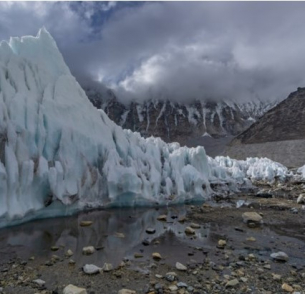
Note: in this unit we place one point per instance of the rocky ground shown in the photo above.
(246, 243)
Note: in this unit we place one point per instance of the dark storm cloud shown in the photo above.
(176, 50)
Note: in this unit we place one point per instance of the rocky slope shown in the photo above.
(193, 124)
(279, 134)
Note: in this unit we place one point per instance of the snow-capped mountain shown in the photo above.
(177, 121)
(59, 154)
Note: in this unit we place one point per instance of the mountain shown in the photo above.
(279, 134)
(190, 124)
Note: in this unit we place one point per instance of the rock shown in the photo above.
(173, 288)
(181, 285)
(71, 289)
(195, 226)
(280, 256)
(138, 255)
(162, 217)
(252, 217)
(88, 250)
(71, 262)
(69, 253)
(54, 248)
(251, 239)
(55, 258)
(107, 267)
(190, 289)
(127, 291)
(85, 223)
(251, 257)
(180, 266)
(301, 199)
(244, 280)
(232, 283)
(158, 276)
(221, 244)
(189, 231)
(150, 231)
(39, 282)
(156, 256)
(287, 288)
(171, 276)
(267, 266)
(119, 235)
(264, 194)
(276, 277)
(91, 269)
(181, 219)
(145, 242)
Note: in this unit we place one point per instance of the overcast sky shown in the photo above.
(176, 50)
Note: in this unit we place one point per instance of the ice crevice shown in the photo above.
(58, 154)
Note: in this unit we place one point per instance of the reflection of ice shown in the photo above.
(36, 238)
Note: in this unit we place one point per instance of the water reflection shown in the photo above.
(37, 237)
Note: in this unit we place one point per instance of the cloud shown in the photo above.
(176, 50)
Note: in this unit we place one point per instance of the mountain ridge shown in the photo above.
(190, 124)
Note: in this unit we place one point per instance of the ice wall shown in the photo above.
(59, 154)
(55, 147)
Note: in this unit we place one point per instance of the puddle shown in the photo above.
(119, 233)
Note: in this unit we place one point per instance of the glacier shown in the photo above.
(59, 154)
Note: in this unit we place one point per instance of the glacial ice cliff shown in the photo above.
(59, 154)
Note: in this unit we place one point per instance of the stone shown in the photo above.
(301, 199)
(85, 223)
(91, 269)
(138, 255)
(232, 283)
(221, 243)
(280, 256)
(150, 231)
(244, 280)
(287, 288)
(69, 253)
(107, 267)
(251, 239)
(88, 250)
(276, 277)
(267, 266)
(181, 285)
(119, 235)
(127, 291)
(252, 217)
(39, 282)
(54, 248)
(162, 217)
(55, 258)
(71, 289)
(171, 276)
(195, 226)
(180, 266)
(145, 242)
(72, 262)
(173, 288)
(264, 194)
(181, 219)
(156, 256)
(189, 231)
